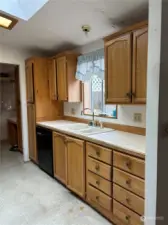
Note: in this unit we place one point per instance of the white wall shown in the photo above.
(125, 113)
(15, 56)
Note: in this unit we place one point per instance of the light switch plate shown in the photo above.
(137, 117)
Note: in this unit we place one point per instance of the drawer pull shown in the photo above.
(128, 182)
(127, 218)
(97, 198)
(128, 200)
(97, 182)
(128, 164)
(97, 167)
(97, 152)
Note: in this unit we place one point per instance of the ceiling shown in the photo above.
(57, 25)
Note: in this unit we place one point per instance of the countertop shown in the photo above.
(13, 120)
(122, 141)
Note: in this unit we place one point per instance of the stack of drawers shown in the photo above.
(99, 176)
(128, 188)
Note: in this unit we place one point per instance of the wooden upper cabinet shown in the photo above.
(59, 159)
(32, 131)
(76, 166)
(30, 82)
(62, 78)
(52, 73)
(139, 78)
(63, 84)
(126, 65)
(118, 69)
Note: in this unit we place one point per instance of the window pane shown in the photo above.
(94, 98)
(97, 95)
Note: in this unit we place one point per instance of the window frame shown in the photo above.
(89, 114)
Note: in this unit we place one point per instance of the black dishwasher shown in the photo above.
(45, 150)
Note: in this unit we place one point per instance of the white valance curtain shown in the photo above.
(89, 65)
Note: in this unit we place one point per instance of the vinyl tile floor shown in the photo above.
(28, 196)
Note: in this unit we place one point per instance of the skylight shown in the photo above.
(22, 9)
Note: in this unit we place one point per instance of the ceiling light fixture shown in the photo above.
(7, 22)
(86, 29)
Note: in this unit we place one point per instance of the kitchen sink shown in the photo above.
(77, 126)
(93, 130)
(85, 129)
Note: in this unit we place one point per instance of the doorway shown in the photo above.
(10, 115)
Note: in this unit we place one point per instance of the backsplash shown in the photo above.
(125, 114)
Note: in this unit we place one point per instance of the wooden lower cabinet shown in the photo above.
(125, 215)
(31, 116)
(59, 157)
(76, 166)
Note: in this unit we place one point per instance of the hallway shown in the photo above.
(28, 196)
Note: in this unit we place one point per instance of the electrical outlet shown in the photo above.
(137, 117)
(73, 111)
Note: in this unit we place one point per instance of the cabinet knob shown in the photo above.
(97, 182)
(128, 94)
(128, 164)
(128, 182)
(127, 218)
(128, 200)
(97, 167)
(98, 152)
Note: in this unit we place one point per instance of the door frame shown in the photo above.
(17, 76)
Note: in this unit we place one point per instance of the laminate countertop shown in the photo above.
(129, 143)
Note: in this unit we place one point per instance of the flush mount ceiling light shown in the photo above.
(7, 22)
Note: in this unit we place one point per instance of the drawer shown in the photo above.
(99, 197)
(100, 153)
(99, 168)
(128, 199)
(130, 164)
(125, 215)
(99, 182)
(129, 182)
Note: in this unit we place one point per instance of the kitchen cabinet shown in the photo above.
(62, 81)
(126, 65)
(59, 157)
(30, 81)
(76, 166)
(118, 64)
(39, 105)
(63, 84)
(140, 49)
(32, 131)
(52, 79)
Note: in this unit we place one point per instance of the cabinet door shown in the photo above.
(32, 131)
(59, 153)
(52, 79)
(76, 166)
(62, 79)
(30, 82)
(140, 49)
(118, 70)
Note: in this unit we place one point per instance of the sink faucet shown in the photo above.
(93, 115)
